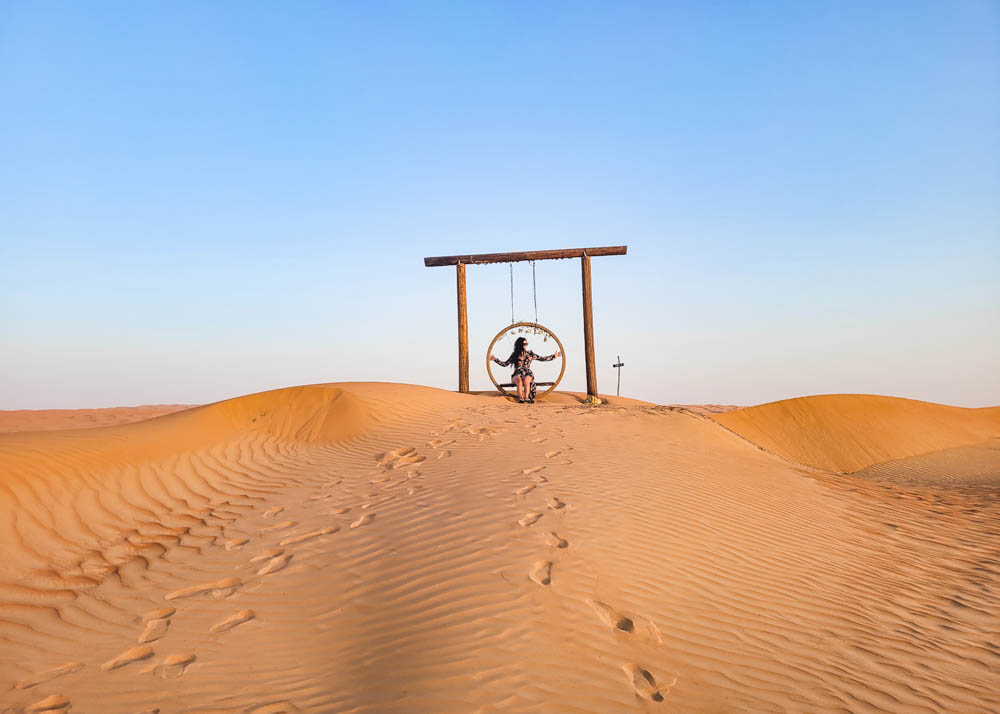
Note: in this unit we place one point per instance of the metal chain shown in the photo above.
(534, 290)
(511, 265)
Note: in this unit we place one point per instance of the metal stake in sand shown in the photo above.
(619, 366)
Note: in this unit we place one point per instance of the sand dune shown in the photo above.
(977, 465)
(849, 432)
(371, 547)
(54, 419)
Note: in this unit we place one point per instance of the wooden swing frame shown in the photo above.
(584, 254)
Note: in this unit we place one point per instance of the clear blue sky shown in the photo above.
(202, 200)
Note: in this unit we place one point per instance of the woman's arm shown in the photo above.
(502, 363)
(544, 359)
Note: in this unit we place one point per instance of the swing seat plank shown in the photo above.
(537, 384)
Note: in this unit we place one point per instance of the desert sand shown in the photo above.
(57, 419)
(376, 547)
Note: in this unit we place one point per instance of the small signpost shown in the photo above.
(619, 366)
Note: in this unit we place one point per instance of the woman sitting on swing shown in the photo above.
(523, 378)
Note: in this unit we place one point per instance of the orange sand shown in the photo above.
(849, 432)
(372, 547)
(53, 419)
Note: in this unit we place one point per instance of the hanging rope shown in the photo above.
(534, 290)
(511, 265)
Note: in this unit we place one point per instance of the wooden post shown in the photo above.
(588, 332)
(463, 332)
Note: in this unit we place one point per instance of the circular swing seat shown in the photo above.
(532, 328)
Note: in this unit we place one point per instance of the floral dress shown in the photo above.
(523, 367)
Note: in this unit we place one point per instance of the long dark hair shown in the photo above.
(518, 350)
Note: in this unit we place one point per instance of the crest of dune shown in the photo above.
(848, 432)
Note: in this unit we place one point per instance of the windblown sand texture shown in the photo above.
(371, 547)
(57, 419)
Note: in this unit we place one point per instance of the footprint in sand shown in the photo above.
(538, 440)
(381, 479)
(158, 613)
(267, 554)
(233, 621)
(48, 675)
(408, 461)
(556, 504)
(341, 510)
(292, 540)
(533, 469)
(390, 456)
(282, 707)
(275, 564)
(225, 587)
(529, 518)
(364, 520)
(444, 454)
(173, 665)
(541, 573)
(654, 632)
(52, 703)
(550, 454)
(236, 543)
(482, 432)
(272, 512)
(555, 541)
(644, 683)
(280, 526)
(136, 654)
(525, 489)
(218, 589)
(154, 630)
(611, 617)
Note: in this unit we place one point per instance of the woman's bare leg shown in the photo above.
(527, 386)
(520, 387)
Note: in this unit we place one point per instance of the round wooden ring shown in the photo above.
(533, 325)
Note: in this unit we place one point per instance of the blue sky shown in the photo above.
(202, 200)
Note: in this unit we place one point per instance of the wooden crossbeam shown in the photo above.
(524, 255)
(537, 384)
